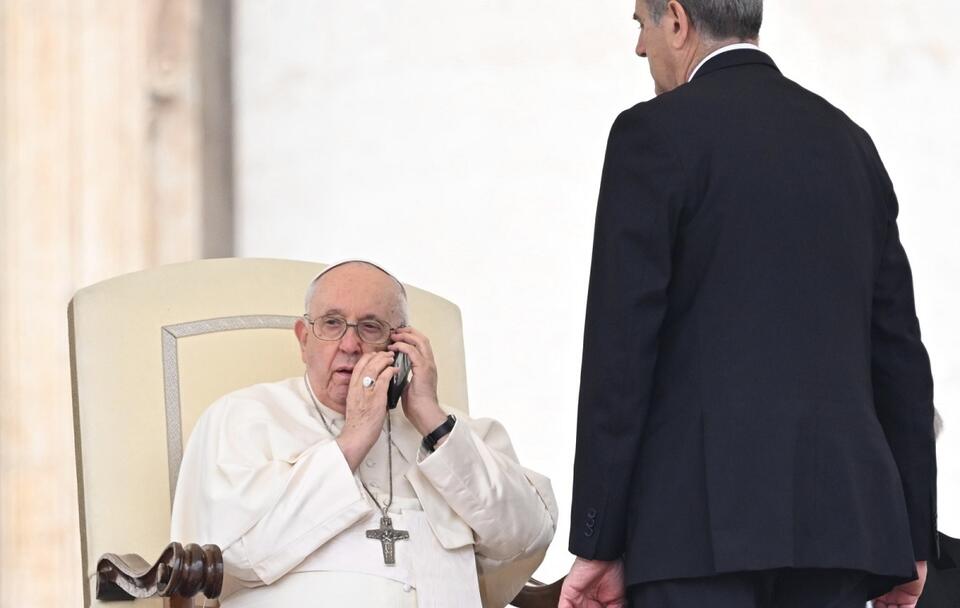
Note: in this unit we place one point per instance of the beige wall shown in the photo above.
(113, 158)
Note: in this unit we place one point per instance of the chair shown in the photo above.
(149, 351)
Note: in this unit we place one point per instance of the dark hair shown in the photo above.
(718, 19)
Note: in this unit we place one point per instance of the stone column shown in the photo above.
(115, 155)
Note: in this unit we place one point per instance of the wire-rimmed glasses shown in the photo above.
(334, 327)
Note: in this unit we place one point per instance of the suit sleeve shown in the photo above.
(903, 388)
(641, 194)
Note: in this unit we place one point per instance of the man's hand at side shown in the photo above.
(905, 595)
(593, 584)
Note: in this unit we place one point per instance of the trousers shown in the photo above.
(782, 588)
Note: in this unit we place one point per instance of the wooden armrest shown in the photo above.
(180, 571)
(184, 571)
(538, 595)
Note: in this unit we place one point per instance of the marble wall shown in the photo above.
(460, 144)
(109, 163)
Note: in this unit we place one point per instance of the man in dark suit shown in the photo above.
(756, 406)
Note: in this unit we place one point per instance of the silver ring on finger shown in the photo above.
(367, 382)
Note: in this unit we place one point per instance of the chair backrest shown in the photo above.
(150, 350)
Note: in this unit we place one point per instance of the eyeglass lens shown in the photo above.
(334, 328)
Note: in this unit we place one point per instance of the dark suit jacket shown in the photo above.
(754, 391)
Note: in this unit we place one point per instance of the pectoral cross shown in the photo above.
(387, 536)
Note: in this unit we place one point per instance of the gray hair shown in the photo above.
(312, 287)
(718, 19)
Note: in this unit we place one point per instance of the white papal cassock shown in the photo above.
(264, 479)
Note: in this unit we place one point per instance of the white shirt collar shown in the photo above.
(723, 49)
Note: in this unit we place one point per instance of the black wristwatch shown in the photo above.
(430, 441)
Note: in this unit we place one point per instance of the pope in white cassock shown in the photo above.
(319, 496)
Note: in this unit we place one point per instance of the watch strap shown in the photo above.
(431, 439)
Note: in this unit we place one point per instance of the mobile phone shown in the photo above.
(399, 380)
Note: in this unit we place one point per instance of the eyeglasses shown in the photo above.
(332, 327)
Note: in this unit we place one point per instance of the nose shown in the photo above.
(350, 342)
(641, 47)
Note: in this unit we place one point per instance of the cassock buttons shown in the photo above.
(588, 532)
(591, 513)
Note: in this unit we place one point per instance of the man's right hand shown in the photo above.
(593, 584)
(366, 407)
(906, 595)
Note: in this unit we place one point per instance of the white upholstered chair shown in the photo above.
(149, 351)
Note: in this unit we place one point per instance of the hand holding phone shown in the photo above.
(421, 406)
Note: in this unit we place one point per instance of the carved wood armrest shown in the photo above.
(180, 571)
(538, 595)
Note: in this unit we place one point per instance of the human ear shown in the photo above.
(680, 23)
(300, 329)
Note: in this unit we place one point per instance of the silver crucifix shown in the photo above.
(387, 536)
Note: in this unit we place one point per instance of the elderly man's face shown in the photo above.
(355, 292)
